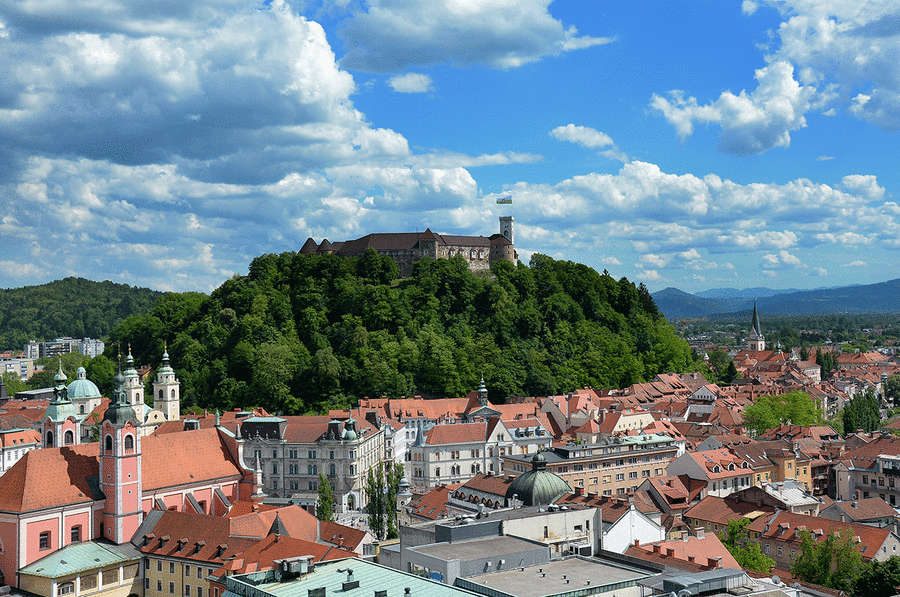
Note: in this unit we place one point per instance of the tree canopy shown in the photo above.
(768, 412)
(834, 562)
(749, 556)
(72, 307)
(304, 333)
(862, 412)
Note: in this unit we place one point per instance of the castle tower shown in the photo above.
(166, 390)
(134, 390)
(506, 227)
(60, 425)
(755, 339)
(120, 467)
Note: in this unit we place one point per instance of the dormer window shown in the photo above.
(731, 466)
(716, 469)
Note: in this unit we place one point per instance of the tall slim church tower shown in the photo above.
(120, 467)
(166, 390)
(134, 390)
(60, 425)
(755, 339)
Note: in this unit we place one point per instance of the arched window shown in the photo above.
(49, 439)
(69, 438)
(473, 469)
(109, 444)
(66, 588)
(161, 395)
(274, 468)
(80, 409)
(129, 442)
(331, 470)
(173, 392)
(437, 472)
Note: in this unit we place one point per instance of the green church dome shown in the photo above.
(82, 388)
(537, 486)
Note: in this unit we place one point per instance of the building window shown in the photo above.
(187, 570)
(66, 588)
(159, 586)
(171, 567)
(274, 468)
(172, 587)
(44, 540)
(129, 442)
(187, 590)
(159, 566)
(780, 551)
(76, 534)
(865, 479)
(199, 591)
(311, 453)
(331, 470)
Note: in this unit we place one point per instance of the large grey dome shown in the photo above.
(537, 486)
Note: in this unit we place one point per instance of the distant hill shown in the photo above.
(883, 297)
(70, 307)
(746, 293)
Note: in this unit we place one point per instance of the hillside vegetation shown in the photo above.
(70, 307)
(304, 333)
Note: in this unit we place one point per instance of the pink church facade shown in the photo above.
(56, 496)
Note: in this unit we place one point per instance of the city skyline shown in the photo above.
(694, 145)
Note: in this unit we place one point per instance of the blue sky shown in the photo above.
(687, 144)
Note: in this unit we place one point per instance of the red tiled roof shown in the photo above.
(433, 505)
(721, 510)
(54, 477)
(460, 433)
(340, 535)
(785, 526)
(264, 553)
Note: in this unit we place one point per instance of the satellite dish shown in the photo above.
(776, 580)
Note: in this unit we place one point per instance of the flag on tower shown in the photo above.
(505, 200)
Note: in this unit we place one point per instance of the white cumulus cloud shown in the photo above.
(410, 83)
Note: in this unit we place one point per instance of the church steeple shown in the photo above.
(166, 390)
(61, 426)
(120, 467)
(482, 394)
(134, 391)
(755, 339)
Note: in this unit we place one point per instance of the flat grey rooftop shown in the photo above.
(476, 549)
(547, 579)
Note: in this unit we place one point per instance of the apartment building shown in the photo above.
(615, 466)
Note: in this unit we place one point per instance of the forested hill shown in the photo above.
(304, 333)
(70, 307)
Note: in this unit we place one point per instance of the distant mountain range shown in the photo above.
(883, 297)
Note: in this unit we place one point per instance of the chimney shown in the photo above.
(579, 490)
(656, 549)
(691, 558)
(637, 542)
(714, 562)
(670, 552)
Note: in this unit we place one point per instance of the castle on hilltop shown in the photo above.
(405, 248)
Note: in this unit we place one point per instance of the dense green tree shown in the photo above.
(325, 503)
(832, 562)
(862, 412)
(13, 383)
(795, 408)
(878, 579)
(736, 539)
(70, 307)
(308, 333)
(375, 507)
(102, 372)
(892, 389)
